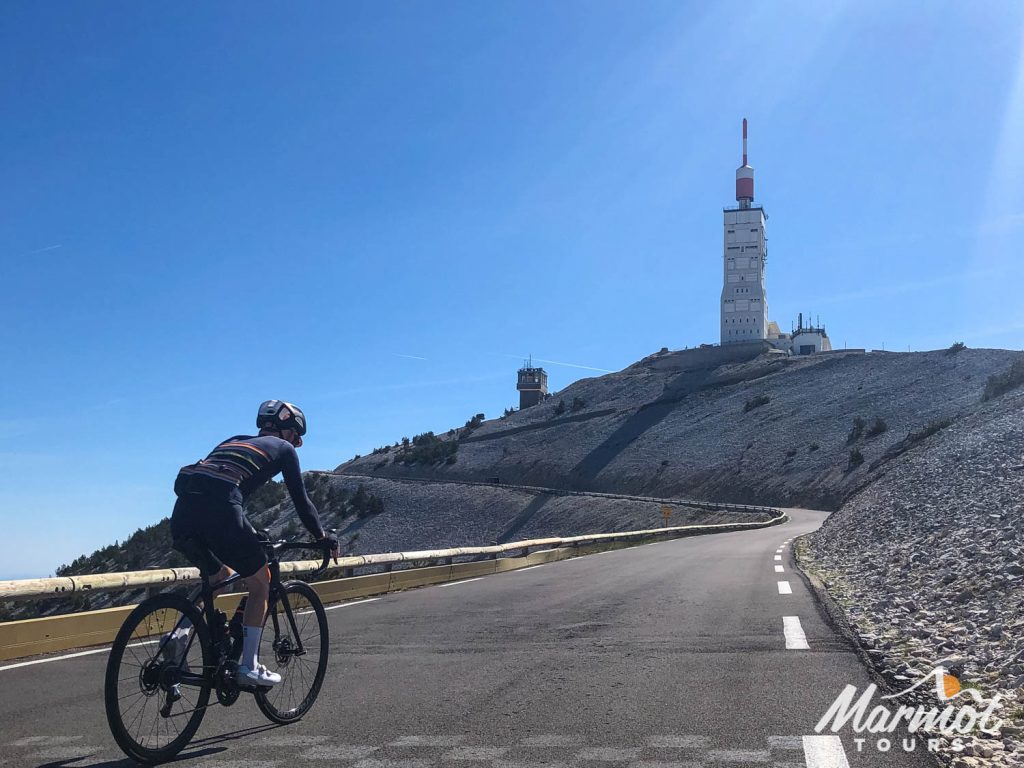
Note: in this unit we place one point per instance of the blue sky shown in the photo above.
(376, 210)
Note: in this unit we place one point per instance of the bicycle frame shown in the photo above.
(205, 593)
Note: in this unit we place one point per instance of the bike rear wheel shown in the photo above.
(155, 689)
(302, 672)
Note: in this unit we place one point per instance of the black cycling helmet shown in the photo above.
(278, 415)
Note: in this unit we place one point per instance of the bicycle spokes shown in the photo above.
(158, 680)
(294, 644)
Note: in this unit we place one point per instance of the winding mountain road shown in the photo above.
(707, 651)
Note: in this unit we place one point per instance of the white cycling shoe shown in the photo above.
(260, 676)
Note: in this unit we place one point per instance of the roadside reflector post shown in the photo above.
(666, 514)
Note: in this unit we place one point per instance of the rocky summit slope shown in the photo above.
(757, 428)
(928, 564)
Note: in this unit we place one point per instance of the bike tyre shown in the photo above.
(124, 740)
(265, 696)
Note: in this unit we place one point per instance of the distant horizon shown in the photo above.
(377, 214)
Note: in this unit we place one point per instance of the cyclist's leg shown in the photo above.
(258, 585)
(234, 542)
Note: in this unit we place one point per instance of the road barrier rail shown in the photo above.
(97, 627)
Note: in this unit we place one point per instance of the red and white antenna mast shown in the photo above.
(745, 176)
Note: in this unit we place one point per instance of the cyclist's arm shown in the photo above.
(303, 506)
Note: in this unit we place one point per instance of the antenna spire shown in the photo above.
(745, 176)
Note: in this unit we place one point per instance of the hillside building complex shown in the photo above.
(744, 301)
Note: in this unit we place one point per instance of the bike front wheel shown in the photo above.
(295, 643)
(155, 689)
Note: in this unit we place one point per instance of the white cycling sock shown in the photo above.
(250, 646)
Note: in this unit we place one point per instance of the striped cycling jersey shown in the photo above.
(248, 462)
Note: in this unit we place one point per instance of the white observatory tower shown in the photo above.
(744, 301)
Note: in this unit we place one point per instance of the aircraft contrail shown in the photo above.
(41, 250)
(567, 365)
(409, 357)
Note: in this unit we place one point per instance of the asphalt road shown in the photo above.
(670, 655)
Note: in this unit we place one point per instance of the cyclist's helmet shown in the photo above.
(278, 415)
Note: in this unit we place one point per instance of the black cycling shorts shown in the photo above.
(217, 522)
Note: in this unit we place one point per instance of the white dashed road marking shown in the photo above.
(463, 581)
(684, 741)
(796, 640)
(549, 740)
(824, 752)
(778, 557)
(475, 753)
(784, 588)
(529, 568)
(427, 741)
(785, 742)
(779, 569)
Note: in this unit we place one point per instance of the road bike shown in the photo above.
(173, 651)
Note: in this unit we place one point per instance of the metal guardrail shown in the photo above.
(65, 586)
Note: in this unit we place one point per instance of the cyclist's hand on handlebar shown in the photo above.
(331, 545)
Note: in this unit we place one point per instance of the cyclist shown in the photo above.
(209, 511)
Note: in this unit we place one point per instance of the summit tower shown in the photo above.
(744, 312)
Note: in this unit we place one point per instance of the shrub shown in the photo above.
(365, 504)
(471, 424)
(374, 506)
(857, 431)
(1001, 383)
(508, 412)
(856, 458)
(578, 404)
(956, 346)
(560, 408)
(877, 427)
(756, 402)
(813, 447)
(359, 501)
(791, 453)
(427, 448)
(928, 430)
